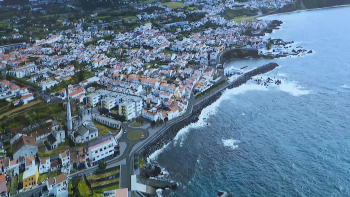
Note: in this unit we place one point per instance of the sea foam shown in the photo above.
(211, 110)
(154, 156)
(291, 87)
(345, 86)
(231, 143)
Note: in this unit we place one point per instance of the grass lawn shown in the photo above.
(53, 173)
(83, 188)
(104, 182)
(21, 177)
(191, 8)
(20, 108)
(242, 18)
(14, 185)
(136, 124)
(70, 187)
(174, 5)
(113, 187)
(104, 175)
(141, 163)
(131, 18)
(135, 135)
(53, 153)
(42, 177)
(102, 129)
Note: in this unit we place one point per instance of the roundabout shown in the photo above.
(136, 135)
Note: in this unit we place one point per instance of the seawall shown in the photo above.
(169, 134)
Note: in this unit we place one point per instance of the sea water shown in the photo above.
(286, 140)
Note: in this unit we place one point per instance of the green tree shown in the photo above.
(153, 123)
(102, 165)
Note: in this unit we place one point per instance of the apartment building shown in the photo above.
(101, 148)
(93, 99)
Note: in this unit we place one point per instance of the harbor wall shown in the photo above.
(170, 132)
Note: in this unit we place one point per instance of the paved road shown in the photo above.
(35, 192)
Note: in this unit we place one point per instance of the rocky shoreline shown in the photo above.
(172, 131)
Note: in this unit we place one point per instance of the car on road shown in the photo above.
(142, 136)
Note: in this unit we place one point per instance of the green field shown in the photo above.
(104, 175)
(135, 135)
(242, 18)
(192, 8)
(174, 5)
(83, 188)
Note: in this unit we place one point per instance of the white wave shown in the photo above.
(154, 156)
(159, 192)
(231, 143)
(345, 86)
(282, 74)
(291, 87)
(211, 109)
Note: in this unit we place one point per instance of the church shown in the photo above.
(81, 128)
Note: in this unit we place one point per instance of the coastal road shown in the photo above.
(136, 145)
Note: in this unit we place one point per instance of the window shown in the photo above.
(25, 181)
(26, 186)
(95, 151)
(105, 148)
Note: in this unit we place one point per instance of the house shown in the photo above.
(26, 98)
(44, 166)
(55, 165)
(101, 148)
(58, 186)
(3, 188)
(65, 161)
(18, 135)
(30, 177)
(56, 137)
(24, 146)
(41, 134)
(29, 162)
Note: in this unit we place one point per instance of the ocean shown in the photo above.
(286, 140)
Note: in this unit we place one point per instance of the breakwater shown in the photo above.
(170, 132)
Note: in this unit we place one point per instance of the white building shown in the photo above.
(93, 99)
(127, 109)
(47, 84)
(107, 121)
(58, 185)
(131, 107)
(101, 148)
(65, 160)
(44, 166)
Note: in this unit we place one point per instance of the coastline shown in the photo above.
(171, 131)
(299, 10)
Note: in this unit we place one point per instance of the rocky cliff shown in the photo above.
(311, 4)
